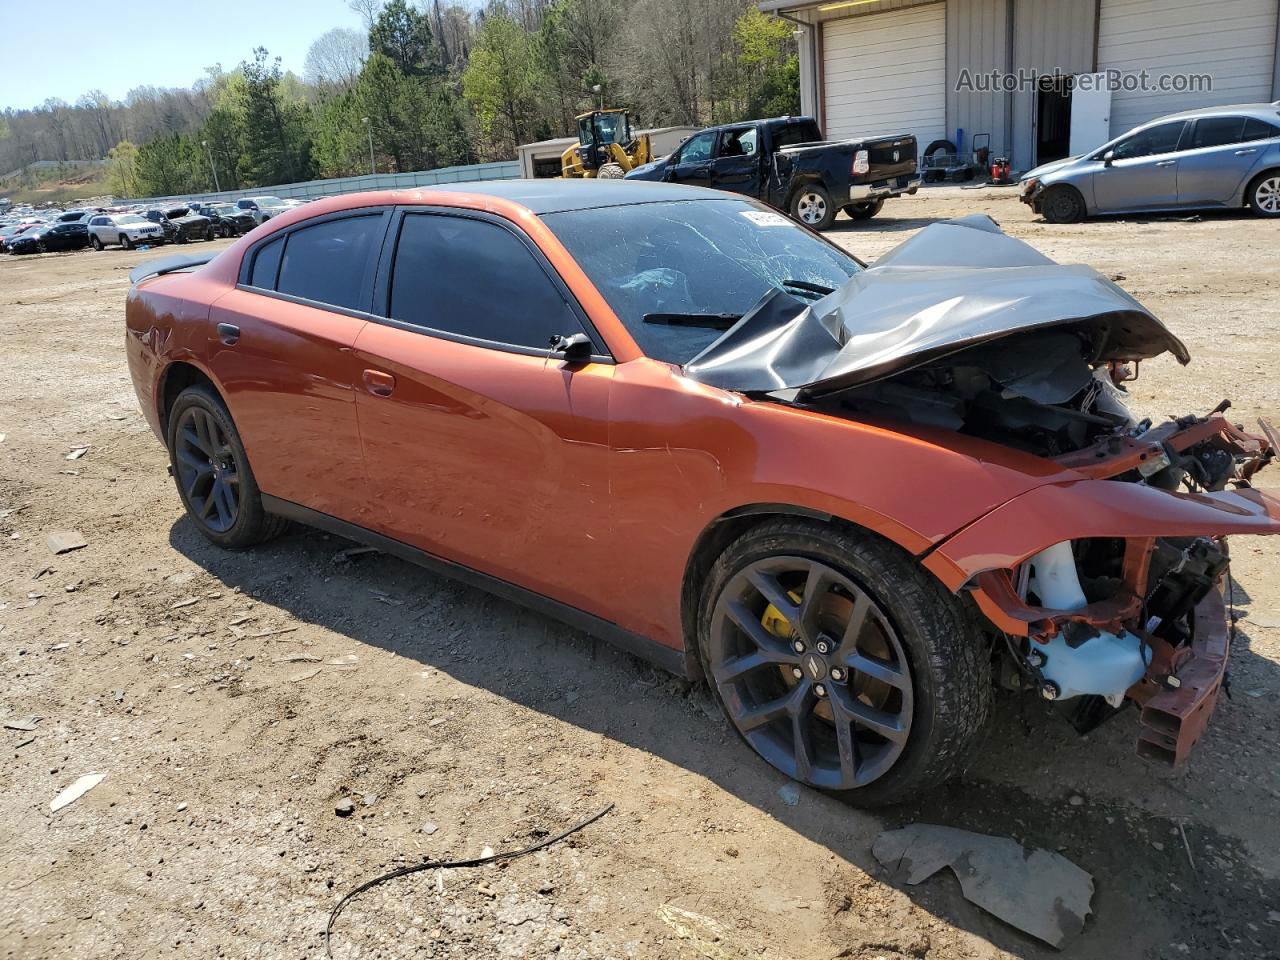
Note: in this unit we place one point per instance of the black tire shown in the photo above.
(95, 243)
(940, 146)
(811, 205)
(610, 171)
(209, 233)
(864, 211)
(213, 475)
(1263, 195)
(226, 230)
(1062, 204)
(125, 241)
(939, 709)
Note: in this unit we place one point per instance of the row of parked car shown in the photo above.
(135, 225)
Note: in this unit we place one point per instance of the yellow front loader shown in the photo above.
(606, 147)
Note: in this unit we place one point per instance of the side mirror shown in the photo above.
(575, 348)
(1108, 158)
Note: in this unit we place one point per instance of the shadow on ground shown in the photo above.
(1148, 901)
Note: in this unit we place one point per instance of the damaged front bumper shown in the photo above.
(1154, 628)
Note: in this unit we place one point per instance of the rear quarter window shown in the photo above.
(326, 262)
(266, 265)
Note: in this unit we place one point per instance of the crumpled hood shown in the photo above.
(1052, 166)
(954, 285)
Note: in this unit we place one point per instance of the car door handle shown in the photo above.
(1166, 163)
(378, 383)
(1245, 153)
(229, 334)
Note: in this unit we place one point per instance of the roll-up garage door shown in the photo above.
(885, 73)
(1233, 41)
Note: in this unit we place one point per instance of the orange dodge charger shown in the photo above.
(855, 499)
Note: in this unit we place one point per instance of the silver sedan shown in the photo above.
(1219, 157)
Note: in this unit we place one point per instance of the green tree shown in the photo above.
(338, 141)
(403, 35)
(276, 149)
(500, 83)
(762, 71)
(122, 170)
(169, 165)
(416, 126)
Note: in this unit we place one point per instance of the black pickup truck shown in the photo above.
(786, 163)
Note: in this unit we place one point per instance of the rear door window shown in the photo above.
(327, 262)
(475, 279)
(1217, 132)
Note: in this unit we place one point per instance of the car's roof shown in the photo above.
(1265, 111)
(556, 195)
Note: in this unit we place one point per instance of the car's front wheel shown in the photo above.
(96, 243)
(213, 475)
(841, 662)
(1063, 204)
(1264, 195)
(812, 206)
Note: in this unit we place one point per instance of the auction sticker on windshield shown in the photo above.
(764, 218)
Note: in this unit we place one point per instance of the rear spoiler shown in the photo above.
(156, 268)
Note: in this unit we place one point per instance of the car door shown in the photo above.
(693, 164)
(482, 446)
(1141, 170)
(281, 346)
(1222, 154)
(736, 166)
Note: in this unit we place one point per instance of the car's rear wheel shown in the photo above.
(213, 475)
(864, 211)
(125, 241)
(812, 206)
(95, 242)
(841, 662)
(1264, 195)
(1062, 204)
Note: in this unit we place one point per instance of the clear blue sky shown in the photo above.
(63, 48)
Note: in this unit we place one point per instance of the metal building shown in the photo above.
(872, 67)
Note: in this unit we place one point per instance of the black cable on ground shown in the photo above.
(448, 865)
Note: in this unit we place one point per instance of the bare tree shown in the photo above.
(336, 58)
(368, 10)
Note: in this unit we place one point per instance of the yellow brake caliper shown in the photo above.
(773, 620)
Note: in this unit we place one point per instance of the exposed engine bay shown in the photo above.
(965, 329)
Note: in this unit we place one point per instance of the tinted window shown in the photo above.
(475, 279)
(327, 262)
(698, 148)
(805, 131)
(706, 258)
(266, 264)
(1255, 129)
(1158, 139)
(1217, 131)
(739, 143)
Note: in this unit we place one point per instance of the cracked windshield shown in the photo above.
(679, 274)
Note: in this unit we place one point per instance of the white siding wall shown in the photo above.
(1233, 40)
(885, 73)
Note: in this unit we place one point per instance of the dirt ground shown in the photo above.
(232, 699)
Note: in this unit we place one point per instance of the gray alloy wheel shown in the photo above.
(207, 469)
(819, 687)
(1264, 198)
(125, 241)
(95, 242)
(213, 474)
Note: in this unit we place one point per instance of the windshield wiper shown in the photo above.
(714, 321)
(806, 287)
